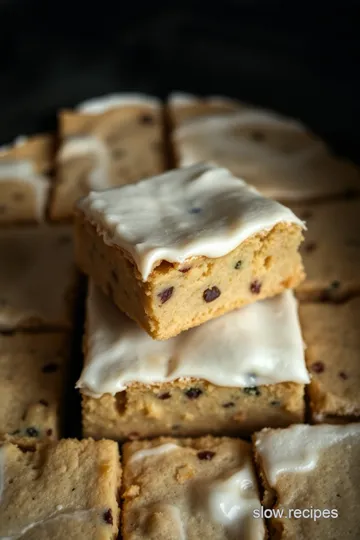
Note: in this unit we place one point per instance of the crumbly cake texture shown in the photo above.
(64, 490)
(203, 244)
(190, 488)
(135, 386)
(37, 277)
(106, 142)
(331, 251)
(331, 333)
(311, 468)
(32, 384)
(191, 408)
(277, 155)
(25, 166)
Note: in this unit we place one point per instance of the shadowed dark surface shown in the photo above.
(299, 58)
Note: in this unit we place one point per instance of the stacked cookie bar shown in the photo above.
(191, 327)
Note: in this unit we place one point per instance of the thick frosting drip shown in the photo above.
(113, 101)
(257, 344)
(297, 449)
(23, 171)
(194, 211)
(231, 502)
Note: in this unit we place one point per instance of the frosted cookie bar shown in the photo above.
(32, 384)
(331, 333)
(331, 253)
(178, 249)
(190, 488)
(37, 277)
(106, 142)
(65, 490)
(134, 386)
(24, 178)
(311, 474)
(278, 155)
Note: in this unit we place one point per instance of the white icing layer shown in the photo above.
(33, 259)
(273, 153)
(154, 451)
(231, 503)
(189, 212)
(257, 344)
(75, 147)
(179, 99)
(113, 101)
(23, 171)
(297, 449)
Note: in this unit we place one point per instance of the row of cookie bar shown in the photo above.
(119, 139)
(185, 488)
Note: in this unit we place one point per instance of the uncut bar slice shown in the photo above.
(232, 375)
(278, 155)
(65, 490)
(25, 167)
(312, 475)
(190, 488)
(37, 277)
(331, 333)
(32, 384)
(178, 249)
(107, 141)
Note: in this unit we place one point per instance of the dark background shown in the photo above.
(300, 58)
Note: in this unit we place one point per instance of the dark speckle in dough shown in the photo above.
(166, 294)
(257, 136)
(310, 247)
(146, 119)
(108, 517)
(212, 294)
(317, 367)
(343, 375)
(32, 432)
(51, 367)
(206, 455)
(195, 210)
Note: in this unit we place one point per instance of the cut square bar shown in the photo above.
(178, 249)
(108, 141)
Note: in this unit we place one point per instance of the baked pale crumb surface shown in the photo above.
(331, 334)
(64, 490)
(33, 373)
(190, 488)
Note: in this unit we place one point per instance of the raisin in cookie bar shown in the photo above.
(233, 375)
(190, 488)
(178, 249)
(311, 481)
(331, 252)
(37, 277)
(279, 156)
(65, 491)
(331, 333)
(106, 142)
(25, 166)
(32, 384)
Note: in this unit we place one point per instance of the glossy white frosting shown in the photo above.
(194, 211)
(80, 146)
(257, 344)
(298, 448)
(153, 451)
(105, 103)
(231, 502)
(286, 163)
(180, 99)
(23, 171)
